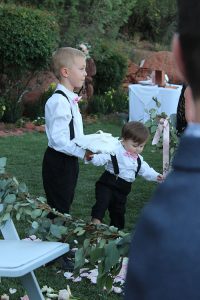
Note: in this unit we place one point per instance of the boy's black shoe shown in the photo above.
(70, 254)
(66, 263)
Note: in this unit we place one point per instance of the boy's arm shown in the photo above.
(149, 173)
(99, 159)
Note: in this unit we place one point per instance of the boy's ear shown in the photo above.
(177, 51)
(64, 72)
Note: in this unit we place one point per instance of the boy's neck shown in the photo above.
(67, 85)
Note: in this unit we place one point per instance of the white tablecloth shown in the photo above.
(140, 99)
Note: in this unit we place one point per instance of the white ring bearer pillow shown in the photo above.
(99, 142)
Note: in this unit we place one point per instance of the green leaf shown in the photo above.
(28, 211)
(153, 129)
(79, 258)
(109, 283)
(86, 244)
(6, 217)
(97, 254)
(9, 208)
(81, 232)
(2, 164)
(46, 223)
(42, 199)
(113, 229)
(126, 239)
(148, 123)
(10, 198)
(63, 230)
(101, 281)
(36, 213)
(112, 256)
(18, 216)
(22, 188)
(55, 231)
(35, 225)
(77, 229)
(102, 243)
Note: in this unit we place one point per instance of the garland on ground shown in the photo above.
(100, 244)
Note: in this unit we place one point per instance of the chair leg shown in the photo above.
(31, 286)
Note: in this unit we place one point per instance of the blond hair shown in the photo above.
(64, 57)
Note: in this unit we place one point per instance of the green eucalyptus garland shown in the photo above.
(100, 244)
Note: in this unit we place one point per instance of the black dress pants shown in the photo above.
(60, 174)
(111, 194)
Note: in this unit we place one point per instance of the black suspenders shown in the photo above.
(116, 167)
(138, 167)
(71, 124)
(115, 164)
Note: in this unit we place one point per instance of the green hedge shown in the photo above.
(111, 68)
(27, 38)
(110, 102)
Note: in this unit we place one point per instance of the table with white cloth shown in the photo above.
(141, 100)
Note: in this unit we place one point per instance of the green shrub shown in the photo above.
(111, 69)
(28, 37)
(112, 101)
(2, 107)
(13, 105)
(39, 121)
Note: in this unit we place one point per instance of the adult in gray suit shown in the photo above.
(164, 262)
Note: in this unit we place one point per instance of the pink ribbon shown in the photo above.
(131, 155)
(163, 126)
(77, 99)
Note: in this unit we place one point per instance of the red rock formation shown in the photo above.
(131, 72)
(36, 87)
(164, 60)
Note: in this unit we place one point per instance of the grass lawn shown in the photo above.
(24, 159)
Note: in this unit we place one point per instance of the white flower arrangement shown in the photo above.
(85, 48)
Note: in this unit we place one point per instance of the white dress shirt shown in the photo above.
(57, 118)
(127, 165)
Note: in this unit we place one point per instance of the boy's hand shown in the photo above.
(160, 178)
(88, 155)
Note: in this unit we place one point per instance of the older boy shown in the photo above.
(63, 124)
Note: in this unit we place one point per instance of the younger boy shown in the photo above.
(121, 170)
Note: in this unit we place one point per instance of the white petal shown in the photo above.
(12, 291)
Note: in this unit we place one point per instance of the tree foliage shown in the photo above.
(153, 19)
(27, 38)
(86, 20)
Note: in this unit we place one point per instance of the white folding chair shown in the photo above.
(18, 258)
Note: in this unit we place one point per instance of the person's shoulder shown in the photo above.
(58, 98)
(57, 101)
(119, 149)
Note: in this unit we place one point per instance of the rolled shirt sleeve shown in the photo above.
(147, 172)
(100, 159)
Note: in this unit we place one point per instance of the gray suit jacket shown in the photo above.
(164, 261)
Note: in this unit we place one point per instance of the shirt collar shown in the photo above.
(193, 130)
(69, 93)
(128, 154)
